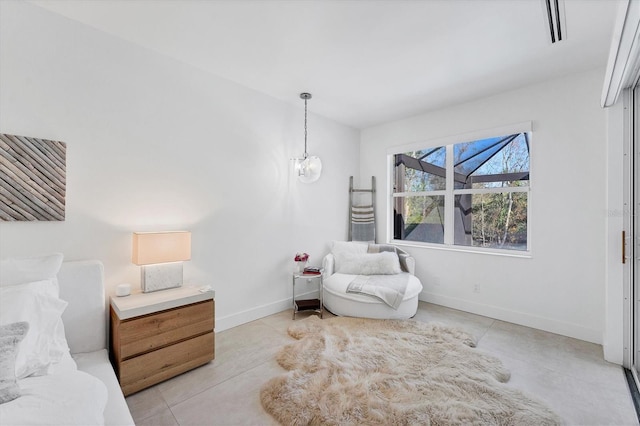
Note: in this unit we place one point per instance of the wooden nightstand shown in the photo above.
(156, 336)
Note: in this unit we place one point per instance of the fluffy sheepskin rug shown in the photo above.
(354, 371)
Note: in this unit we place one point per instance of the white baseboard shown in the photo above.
(239, 318)
(553, 326)
(252, 314)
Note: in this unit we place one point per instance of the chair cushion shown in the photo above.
(342, 250)
(337, 284)
(384, 263)
(339, 302)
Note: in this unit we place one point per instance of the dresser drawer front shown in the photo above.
(154, 367)
(148, 333)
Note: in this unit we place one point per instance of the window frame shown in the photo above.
(450, 192)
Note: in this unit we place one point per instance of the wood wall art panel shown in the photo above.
(32, 178)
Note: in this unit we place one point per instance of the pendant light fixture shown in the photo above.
(308, 167)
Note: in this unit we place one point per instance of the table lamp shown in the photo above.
(161, 255)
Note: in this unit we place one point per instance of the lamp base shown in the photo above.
(160, 276)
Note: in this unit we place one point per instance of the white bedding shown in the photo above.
(70, 397)
(65, 389)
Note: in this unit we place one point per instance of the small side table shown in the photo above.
(308, 304)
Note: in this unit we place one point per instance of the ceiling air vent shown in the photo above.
(555, 22)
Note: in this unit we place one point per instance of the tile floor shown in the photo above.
(568, 374)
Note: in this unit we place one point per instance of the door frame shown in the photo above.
(629, 184)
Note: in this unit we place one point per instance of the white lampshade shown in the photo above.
(160, 254)
(161, 247)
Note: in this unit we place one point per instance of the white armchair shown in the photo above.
(370, 281)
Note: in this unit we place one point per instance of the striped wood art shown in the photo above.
(32, 178)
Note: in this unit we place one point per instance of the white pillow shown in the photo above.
(40, 347)
(385, 263)
(66, 364)
(10, 337)
(20, 270)
(342, 250)
(58, 345)
(59, 348)
(40, 273)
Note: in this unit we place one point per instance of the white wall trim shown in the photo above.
(259, 312)
(624, 53)
(521, 318)
(614, 345)
(523, 127)
(248, 315)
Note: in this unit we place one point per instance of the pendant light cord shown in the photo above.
(308, 168)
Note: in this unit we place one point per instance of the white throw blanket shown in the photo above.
(388, 288)
(68, 398)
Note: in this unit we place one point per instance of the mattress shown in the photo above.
(97, 364)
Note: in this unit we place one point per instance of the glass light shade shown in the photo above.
(160, 247)
(309, 169)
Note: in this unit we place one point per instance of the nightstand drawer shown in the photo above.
(156, 336)
(144, 334)
(151, 368)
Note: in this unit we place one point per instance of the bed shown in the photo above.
(64, 306)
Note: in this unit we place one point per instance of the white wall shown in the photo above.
(561, 287)
(154, 144)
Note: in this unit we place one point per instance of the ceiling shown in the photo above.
(366, 62)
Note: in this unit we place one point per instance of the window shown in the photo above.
(471, 194)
